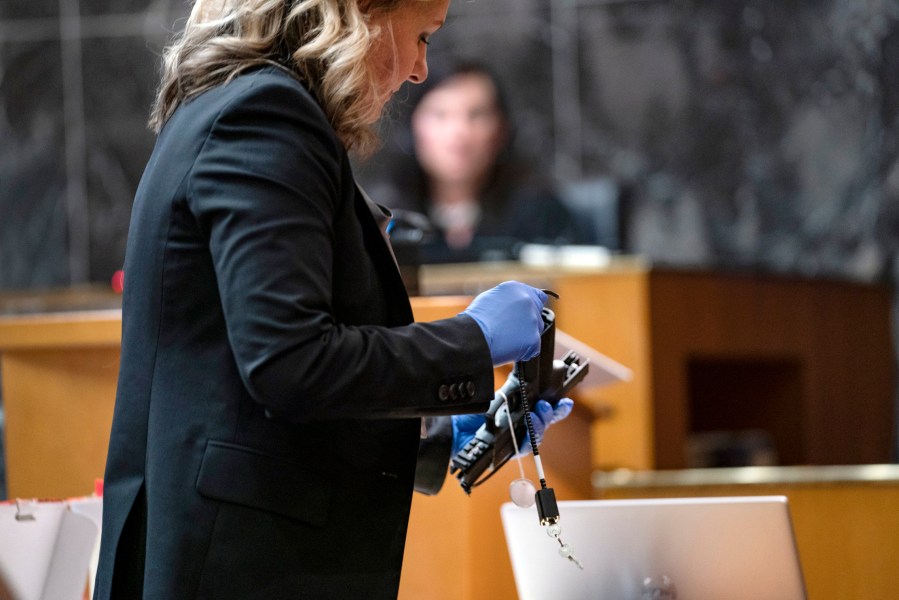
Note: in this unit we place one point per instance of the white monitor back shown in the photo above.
(709, 548)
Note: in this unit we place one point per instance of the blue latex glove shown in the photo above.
(466, 426)
(510, 315)
(543, 416)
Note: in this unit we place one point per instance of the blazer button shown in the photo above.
(443, 393)
(455, 391)
(469, 387)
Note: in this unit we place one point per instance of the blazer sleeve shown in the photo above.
(265, 188)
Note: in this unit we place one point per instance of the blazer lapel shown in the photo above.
(378, 243)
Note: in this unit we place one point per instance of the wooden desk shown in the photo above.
(59, 375)
(810, 362)
(846, 518)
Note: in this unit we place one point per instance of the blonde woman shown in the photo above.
(272, 385)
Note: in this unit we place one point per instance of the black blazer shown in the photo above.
(271, 383)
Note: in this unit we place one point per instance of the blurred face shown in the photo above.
(399, 52)
(459, 130)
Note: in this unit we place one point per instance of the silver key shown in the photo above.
(554, 531)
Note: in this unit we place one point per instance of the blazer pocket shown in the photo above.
(249, 477)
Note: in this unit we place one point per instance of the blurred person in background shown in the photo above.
(481, 202)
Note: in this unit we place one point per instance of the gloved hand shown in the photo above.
(510, 315)
(543, 416)
(466, 426)
(464, 429)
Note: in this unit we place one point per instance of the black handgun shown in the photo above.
(543, 378)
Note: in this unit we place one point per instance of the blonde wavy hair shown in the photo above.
(323, 42)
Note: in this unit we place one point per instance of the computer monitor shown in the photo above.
(732, 548)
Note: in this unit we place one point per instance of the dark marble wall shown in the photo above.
(739, 133)
(76, 82)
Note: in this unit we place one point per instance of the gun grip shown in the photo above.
(537, 372)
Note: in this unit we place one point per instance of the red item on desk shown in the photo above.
(118, 281)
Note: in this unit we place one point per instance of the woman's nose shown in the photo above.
(420, 68)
